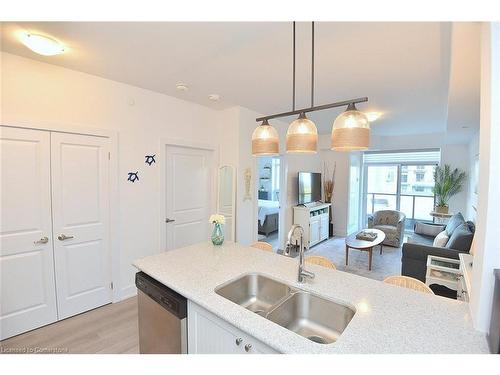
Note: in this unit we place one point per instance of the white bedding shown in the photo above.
(267, 208)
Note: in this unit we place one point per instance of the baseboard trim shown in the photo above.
(127, 292)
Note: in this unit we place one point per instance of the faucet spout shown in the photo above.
(302, 274)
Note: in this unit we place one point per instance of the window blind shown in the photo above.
(416, 156)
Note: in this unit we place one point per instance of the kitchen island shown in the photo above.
(388, 319)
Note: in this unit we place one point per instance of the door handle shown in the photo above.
(63, 237)
(167, 220)
(41, 241)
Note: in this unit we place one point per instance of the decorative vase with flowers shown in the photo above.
(217, 234)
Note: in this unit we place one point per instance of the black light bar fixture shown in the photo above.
(350, 130)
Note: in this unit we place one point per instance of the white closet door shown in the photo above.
(27, 293)
(80, 204)
(189, 195)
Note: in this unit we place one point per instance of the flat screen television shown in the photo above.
(309, 187)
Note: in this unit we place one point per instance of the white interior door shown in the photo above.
(27, 293)
(80, 202)
(189, 195)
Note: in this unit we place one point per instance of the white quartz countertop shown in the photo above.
(388, 319)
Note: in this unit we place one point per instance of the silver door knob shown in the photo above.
(167, 220)
(41, 240)
(63, 237)
(248, 347)
(239, 340)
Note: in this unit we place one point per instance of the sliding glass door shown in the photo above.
(405, 187)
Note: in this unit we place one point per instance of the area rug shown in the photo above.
(387, 264)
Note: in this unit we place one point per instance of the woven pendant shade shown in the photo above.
(302, 136)
(351, 131)
(265, 140)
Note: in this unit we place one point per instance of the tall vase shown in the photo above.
(217, 235)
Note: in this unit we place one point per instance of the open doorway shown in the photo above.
(269, 170)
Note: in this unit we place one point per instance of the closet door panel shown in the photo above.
(80, 200)
(27, 291)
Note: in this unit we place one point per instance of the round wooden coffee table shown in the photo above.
(352, 242)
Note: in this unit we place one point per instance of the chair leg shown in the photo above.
(381, 249)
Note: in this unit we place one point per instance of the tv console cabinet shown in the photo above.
(315, 219)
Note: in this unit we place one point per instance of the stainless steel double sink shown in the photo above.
(318, 319)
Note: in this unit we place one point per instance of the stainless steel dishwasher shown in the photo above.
(162, 317)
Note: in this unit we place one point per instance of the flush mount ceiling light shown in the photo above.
(302, 135)
(43, 45)
(214, 97)
(181, 87)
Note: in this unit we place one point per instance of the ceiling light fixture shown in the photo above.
(181, 87)
(214, 97)
(302, 135)
(43, 45)
(265, 140)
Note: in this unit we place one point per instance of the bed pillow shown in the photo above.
(441, 239)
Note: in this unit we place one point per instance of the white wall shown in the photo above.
(487, 246)
(42, 95)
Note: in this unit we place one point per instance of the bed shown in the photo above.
(268, 216)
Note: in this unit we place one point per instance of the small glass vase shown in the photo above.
(217, 235)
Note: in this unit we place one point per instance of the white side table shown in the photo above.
(440, 218)
(443, 271)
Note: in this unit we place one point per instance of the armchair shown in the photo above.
(392, 223)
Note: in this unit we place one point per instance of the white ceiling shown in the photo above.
(424, 77)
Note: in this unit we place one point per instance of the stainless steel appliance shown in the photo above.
(162, 317)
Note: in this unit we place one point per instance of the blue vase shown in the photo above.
(217, 235)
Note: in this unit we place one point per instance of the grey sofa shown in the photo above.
(392, 223)
(420, 245)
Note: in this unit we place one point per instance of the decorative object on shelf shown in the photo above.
(447, 183)
(150, 159)
(133, 176)
(248, 178)
(217, 234)
(350, 131)
(329, 182)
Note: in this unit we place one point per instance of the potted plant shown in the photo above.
(447, 183)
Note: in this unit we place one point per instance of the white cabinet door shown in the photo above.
(314, 231)
(189, 192)
(208, 334)
(80, 199)
(27, 292)
(324, 228)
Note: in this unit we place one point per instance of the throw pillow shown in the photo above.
(428, 229)
(441, 239)
(461, 239)
(453, 223)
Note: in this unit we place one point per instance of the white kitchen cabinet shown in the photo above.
(208, 334)
(314, 219)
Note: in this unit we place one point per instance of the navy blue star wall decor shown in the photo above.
(133, 176)
(150, 159)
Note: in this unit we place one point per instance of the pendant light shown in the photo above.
(265, 140)
(351, 131)
(302, 135)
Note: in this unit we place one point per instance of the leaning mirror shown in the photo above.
(226, 198)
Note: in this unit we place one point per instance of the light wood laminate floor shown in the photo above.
(109, 329)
